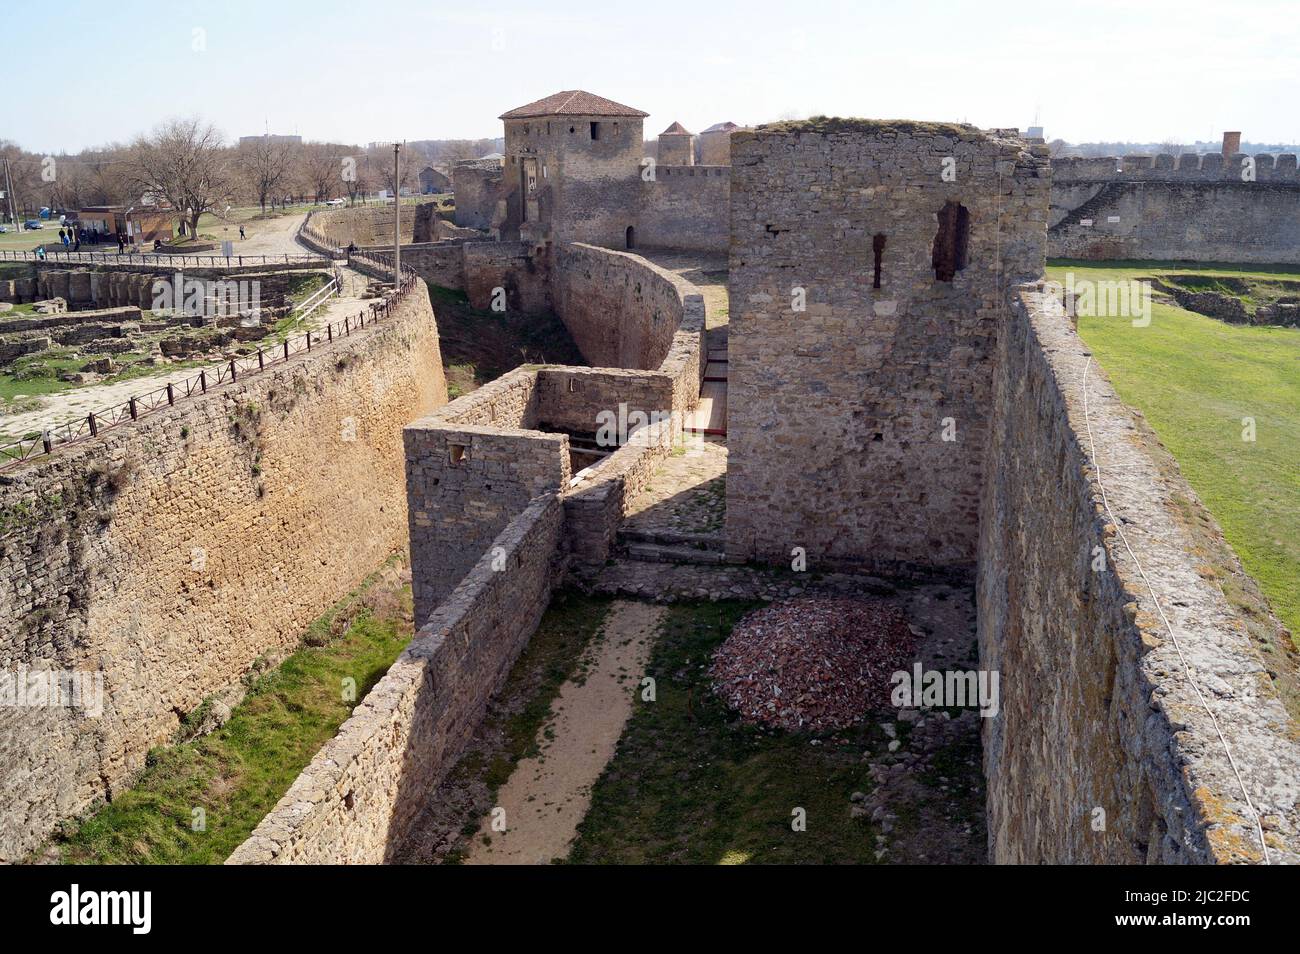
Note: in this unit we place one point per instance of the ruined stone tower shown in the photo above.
(870, 268)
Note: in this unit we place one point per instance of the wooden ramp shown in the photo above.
(710, 415)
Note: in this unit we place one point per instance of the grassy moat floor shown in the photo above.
(237, 773)
(693, 784)
(1202, 384)
(690, 783)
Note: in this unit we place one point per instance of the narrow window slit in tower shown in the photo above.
(878, 252)
(948, 256)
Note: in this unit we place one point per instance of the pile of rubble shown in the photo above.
(813, 664)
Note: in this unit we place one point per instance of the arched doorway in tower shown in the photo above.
(631, 237)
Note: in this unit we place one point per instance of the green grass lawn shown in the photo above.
(237, 773)
(1196, 379)
(692, 784)
(24, 241)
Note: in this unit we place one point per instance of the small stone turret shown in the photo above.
(676, 146)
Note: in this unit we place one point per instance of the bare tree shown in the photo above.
(322, 169)
(382, 164)
(266, 165)
(460, 149)
(184, 161)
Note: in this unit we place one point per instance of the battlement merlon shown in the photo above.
(1187, 167)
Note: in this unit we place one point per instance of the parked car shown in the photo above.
(336, 202)
(33, 224)
(3, 229)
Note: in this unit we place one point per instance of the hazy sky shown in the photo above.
(366, 70)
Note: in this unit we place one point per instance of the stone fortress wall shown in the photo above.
(171, 553)
(686, 207)
(1099, 710)
(915, 319)
(358, 798)
(473, 465)
(496, 520)
(485, 558)
(1189, 207)
(914, 329)
(1104, 752)
(497, 516)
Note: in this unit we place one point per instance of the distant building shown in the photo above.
(1034, 132)
(268, 137)
(140, 224)
(431, 181)
(676, 146)
(715, 144)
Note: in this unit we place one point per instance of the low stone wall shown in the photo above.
(170, 554)
(356, 801)
(473, 465)
(596, 501)
(574, 399)
(465, 481)
(1104, 751)
(626, 312)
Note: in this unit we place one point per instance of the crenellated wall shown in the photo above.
(686, 207)
(1188, 207)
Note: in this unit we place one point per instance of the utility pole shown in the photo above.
(397, 221)
(9, 193)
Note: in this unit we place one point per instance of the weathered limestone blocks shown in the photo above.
(357, 799)
(171, 553)
(870, 267)
(1103, 751)
(626, 312)
(1195, 208)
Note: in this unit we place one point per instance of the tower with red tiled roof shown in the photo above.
(572, 170)
(676, 146)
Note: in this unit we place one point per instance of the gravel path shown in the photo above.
(547, 796)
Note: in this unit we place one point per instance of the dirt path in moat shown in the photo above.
(547, 795)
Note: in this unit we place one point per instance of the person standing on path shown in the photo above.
(241, 233)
